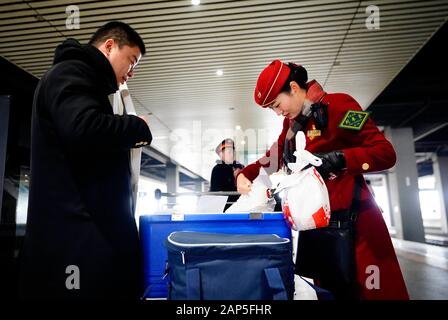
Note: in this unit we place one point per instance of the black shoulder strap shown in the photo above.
(289, 145)
(356, 201)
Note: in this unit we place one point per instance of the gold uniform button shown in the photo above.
(365, 166)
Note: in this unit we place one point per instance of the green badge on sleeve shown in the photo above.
(354, 120)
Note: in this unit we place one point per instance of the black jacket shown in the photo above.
(223, 179)
(79, 210)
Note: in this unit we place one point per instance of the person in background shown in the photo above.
(226, 169)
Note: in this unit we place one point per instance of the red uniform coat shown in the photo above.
(366, 150)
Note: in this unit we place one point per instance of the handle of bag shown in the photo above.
(275, 282)
(321, 292)
(193, 280)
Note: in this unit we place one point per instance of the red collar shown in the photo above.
(314, 91)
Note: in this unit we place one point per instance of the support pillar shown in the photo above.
(440, 168)
(172, 181)
(199, 186)
(4, 120)
(403, 187)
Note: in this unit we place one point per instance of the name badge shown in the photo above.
(311, 134)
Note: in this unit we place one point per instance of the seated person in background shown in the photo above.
(226, 169)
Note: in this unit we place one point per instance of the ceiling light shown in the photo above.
(219, 72)
(238, 127)
(195, 2)
(243, 142)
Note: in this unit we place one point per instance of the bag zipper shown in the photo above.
(183, 254)
(226, 244)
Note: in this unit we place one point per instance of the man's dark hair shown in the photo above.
(297, 74)
(120, 32)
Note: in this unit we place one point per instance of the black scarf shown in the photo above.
(314, 94)
(296, 125)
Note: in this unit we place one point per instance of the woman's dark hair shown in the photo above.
(297, 74)
(120, 32)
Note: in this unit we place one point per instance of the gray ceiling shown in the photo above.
(177, 83)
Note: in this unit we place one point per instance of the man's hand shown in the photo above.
(333, 163)
(243, 185)
(144, 118)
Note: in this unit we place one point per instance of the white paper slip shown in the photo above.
(211, 204)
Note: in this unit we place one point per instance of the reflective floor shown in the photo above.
(424, 282)
(424, 267)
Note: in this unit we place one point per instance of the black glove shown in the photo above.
(333, 163)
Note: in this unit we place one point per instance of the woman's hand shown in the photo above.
(236, 171)
(243, 185)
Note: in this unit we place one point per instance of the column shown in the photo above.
(172, 181)
(403, 187)
(440, 167)
(4, 120)
(198, 186)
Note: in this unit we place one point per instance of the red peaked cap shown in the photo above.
(270, 82)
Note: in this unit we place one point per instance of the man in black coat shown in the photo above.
(81, 238)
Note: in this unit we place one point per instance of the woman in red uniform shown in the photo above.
(349, 143)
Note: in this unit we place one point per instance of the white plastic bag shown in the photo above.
(305, 200)
(258, 199)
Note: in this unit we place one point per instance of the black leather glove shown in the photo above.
(333, 163)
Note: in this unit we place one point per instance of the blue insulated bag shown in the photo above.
(215, 266)
(155, 228)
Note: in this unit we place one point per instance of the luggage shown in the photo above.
(216, 266)
(154, 229)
